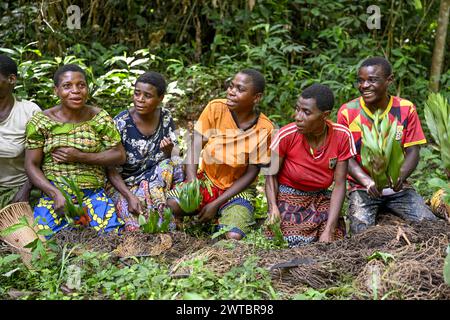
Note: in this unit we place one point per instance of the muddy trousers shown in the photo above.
(406, 204)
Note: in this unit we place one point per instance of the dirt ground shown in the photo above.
(415, 270)
(407, 258)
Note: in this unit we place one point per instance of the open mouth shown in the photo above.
(76, 100)
(368, 94)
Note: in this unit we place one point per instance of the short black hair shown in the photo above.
(66, 68)
(7, 66)
(155, 79)
(322, 94)
(259, 83)
(378, 61)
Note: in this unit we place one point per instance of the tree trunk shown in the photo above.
(198, 38)
(439, 46)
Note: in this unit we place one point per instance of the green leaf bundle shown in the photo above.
(381, 154)
(72, 210)
(151, 225)
(190, 197)
(278, 238)
(167, 217)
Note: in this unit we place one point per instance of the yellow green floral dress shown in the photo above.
(95, 135)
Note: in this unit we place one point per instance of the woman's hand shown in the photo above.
(59, 202)
(208, 212)
(134, 204)
(166, 146)
(326, 236)
(66, 155)
(274, 215)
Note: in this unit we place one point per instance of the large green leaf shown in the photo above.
(190, 197)
(45, 232)
(153, 218)
(395, 162)
(384, 128)
(445, 152)
(431, 123)
(365, 156)
(389, 140)
(381, 180)
(141, 220)
(376, 121)
(167, 216)
(438, 120)
(442, 110)
(11, 229)
(32, 244)
(368, 138)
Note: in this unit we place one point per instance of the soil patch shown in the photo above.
(393, 260)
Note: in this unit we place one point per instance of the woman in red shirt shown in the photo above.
(308, 156)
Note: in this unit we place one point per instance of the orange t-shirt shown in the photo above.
(229, 149)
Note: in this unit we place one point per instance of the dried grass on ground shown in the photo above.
(415, 272)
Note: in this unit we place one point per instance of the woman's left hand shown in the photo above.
(166, 145)
(66, 155)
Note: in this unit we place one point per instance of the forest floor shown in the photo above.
(392, 260)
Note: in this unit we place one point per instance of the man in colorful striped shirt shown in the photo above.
(374, 77)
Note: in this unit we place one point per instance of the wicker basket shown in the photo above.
(18, 239)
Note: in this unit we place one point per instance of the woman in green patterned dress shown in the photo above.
(75, 141)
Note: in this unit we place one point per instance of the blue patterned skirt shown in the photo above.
(99, 207)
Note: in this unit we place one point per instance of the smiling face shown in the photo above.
(241, 93)
(373, 85)
(308, 118)
(145, 98)
(72, 90)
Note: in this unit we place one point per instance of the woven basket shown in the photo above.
(18, 239)
(438, 205)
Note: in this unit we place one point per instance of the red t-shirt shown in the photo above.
(305, 171)
(355, 113)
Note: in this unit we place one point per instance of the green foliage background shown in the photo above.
(198, 45)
